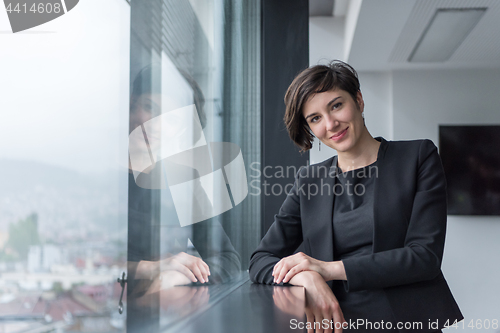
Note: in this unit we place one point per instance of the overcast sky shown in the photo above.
(64, 88)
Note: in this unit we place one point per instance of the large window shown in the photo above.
(63, 164)
(127, 137)
(194, 132)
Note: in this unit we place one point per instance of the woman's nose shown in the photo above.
(331, 123)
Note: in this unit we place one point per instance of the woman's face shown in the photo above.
(335, 119)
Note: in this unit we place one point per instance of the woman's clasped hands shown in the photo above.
(289, 266)
(323, 312)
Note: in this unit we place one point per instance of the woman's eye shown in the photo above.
(336, 106)
(314, 119)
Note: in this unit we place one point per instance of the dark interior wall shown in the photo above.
(285, 52)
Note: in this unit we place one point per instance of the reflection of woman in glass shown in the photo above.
(371, 220)
(177, 263)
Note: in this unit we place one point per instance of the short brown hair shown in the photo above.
(313, 80)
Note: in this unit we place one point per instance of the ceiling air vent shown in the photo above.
(445, 32)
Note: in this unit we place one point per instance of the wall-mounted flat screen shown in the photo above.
(471, 161)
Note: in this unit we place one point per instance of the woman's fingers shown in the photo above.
(284, 270)
(316, 322)
(326, 323)
(290, 269)
(290, 260)
(277, 268)
(338, 319)
(285, 267)
(204, 270)
(295, 270)
(187, 272)
(199, 269)
(320, 319)
(310, 319)
(197, 272)
(278, 274)
(287, 264)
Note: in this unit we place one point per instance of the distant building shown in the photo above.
(34, 259)
(41, 258)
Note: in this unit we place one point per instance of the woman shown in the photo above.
(373, 235)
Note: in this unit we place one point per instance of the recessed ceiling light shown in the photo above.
(444, 34)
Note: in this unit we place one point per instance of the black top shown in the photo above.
(353, 236)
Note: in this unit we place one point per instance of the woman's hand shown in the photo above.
(194, 268)
(322, 307)
(289, 266)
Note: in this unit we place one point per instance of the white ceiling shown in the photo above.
(387, 31)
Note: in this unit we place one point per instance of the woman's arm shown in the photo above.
(282, 239)
(288, 267)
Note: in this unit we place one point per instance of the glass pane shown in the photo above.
(63, 161)
(194, 134)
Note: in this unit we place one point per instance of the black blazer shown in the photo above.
(409, 232)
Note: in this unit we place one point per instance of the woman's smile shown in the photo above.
(339, 135)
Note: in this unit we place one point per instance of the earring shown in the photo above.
(319, 147)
